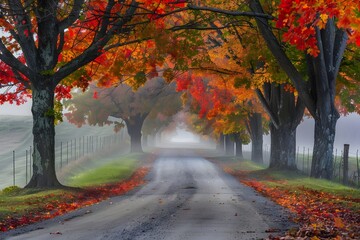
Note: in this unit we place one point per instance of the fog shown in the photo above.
(347, 131)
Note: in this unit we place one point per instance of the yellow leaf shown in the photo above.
(339, 223)
(324, 17)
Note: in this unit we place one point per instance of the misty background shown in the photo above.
(347, 130)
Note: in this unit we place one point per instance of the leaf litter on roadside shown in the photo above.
(320, 215)
(71, 201)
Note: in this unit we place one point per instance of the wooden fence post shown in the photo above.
(346, 164)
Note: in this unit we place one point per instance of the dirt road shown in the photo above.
(187, 197)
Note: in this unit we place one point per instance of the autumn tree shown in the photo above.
(130, 106)
(40, 31)
(320, 31)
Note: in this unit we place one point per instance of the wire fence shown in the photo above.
(351, 167)
(16, 168)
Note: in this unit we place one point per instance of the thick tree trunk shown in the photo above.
(283, 147)
(322, 160)
(44, 175)
(134, 125)
(256, 134)
(238, 143)
(285, 114)
(229, 145)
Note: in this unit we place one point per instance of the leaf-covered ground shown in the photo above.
(321, 212)
(60, 202)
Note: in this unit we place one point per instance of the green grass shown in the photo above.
(288, 180)
(17, 201)
(23, 201)
(114, 171)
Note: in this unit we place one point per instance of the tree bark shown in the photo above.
(134, 125)
(322, 160)
(283, 147)
(229, 145)
(256, 134)
(285, 114)
(44, 175)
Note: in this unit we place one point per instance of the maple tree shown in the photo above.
(320, 31)
(41, 31)
(226, 110)
(131, 107)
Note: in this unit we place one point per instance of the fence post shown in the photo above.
(303, 160)
(30, 154)
(67, 152)
(26, 166)
(358, 169)
(60, 155)
(346, 164)
(297, 156)
(83, 145)
(14, 168)
(308, 161)
(334, 166)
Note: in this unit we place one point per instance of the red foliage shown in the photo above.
(71, 201)
(320, 214)
(302, 18)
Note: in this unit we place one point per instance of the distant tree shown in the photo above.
(131, 106)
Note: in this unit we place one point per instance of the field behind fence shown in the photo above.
(71, 144)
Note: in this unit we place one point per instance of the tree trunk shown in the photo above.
(229, 145)
(283, 147)
(256, 134)
(134, 126)
(238, 143)
(145, 140)
(285, 114)
(220, 143)
(322, 160)
(44, 175)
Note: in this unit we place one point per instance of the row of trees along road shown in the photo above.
(50, 47)
(321, 34)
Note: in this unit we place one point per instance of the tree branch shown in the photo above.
(73, 16)
(283, 60)
(265, 104)
(231, 13)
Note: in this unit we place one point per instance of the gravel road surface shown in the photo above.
(187, 197)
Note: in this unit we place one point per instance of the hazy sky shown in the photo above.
(13, 109)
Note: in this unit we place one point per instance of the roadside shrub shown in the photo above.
(11, 190)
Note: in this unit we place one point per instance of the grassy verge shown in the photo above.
(323, 209)
(111, 172)
(23, 206)
(285, 179)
